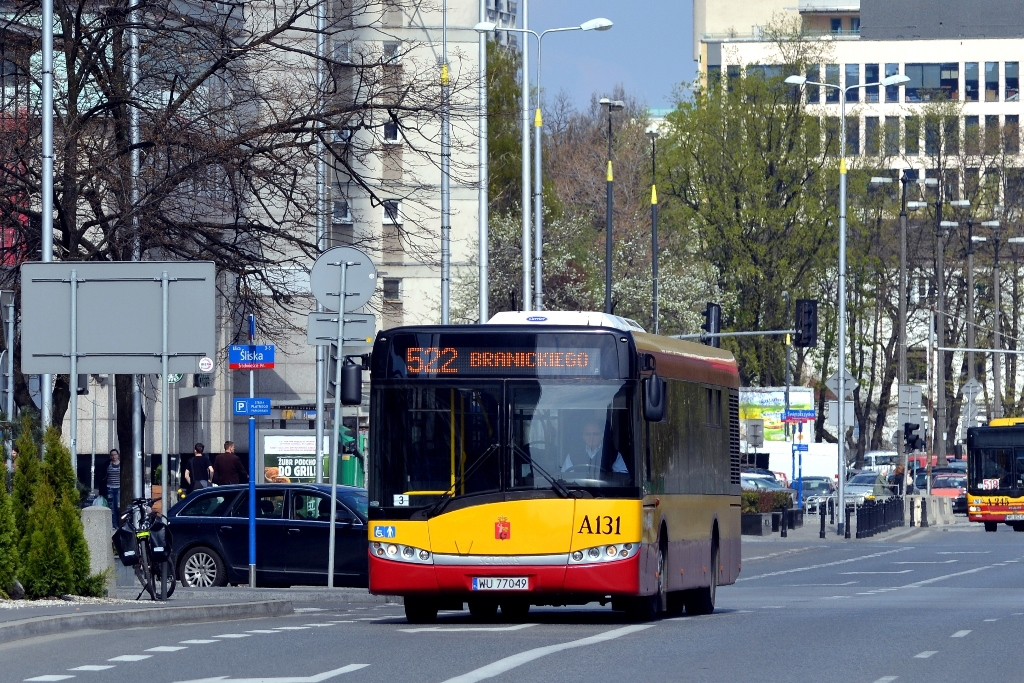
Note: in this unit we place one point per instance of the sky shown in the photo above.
(649, 50)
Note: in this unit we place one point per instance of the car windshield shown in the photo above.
(864, 479)
(816, 487)
(992, 469)
(949, 482)
(573, 432)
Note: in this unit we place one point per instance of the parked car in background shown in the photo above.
(817, 490)
(761, 483)
(867, 486)
(211, 535)
(881, 461)
(952, 486)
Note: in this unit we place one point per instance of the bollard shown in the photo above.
(911, 512)
(860, 521)
(821, 516)
(783, 524)
(831, 511)
(924, 512)
(846, 533)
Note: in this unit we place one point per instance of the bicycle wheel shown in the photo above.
(167, 582)
(144, 571)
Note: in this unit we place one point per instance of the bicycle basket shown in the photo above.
(126, 545)
(160, 541)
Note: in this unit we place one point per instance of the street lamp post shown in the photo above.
(841, 374)
(613, 105)
(598, 24)
(653, 135)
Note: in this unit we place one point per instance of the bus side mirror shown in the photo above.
(654, 399)
(351, 384)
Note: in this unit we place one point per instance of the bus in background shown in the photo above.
(995, 475)
(553, 458)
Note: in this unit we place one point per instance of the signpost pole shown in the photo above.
(252, 464)
(165, 399)
(73, 377)
(336, 436)
(10, 378)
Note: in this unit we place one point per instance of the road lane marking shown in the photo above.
(509, 663)
(261, 630)
(780, 554)
(93, 667)
(960, 634)
(925, 582)
(129, 658)
(926, 654)
(810, 585)
(166, 648)
(374, 618)
(901, 571)
(284, 679)
(300, 610)
(963, 552)
(328, 624)
(234, 635)
(198, 641)
(927, 562)
(444, 629)
(292, 628)
(1017, 614)
(825, 564)
(886, 679)
(344, 621)
(991, 620)
(51, 677)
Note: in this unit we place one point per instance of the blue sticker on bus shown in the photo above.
(537, 319)
(383, 532)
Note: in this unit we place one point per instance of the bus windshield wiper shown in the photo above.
(447, 496)
(558, 486)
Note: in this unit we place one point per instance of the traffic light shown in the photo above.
(712, 324)
(911, 440)
(83, 385)
(806, 323)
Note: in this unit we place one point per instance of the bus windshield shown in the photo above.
(576, 433)
(992, 469)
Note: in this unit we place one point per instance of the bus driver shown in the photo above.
(587, 460)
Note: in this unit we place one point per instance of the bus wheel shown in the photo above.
(991, 526)
(1017, 526)
(515, 610)
(702, 600)
(420, 610)
(642, 608)
(484, 610)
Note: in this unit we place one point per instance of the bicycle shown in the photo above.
(143, 542)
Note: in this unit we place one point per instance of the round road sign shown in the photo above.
(205, 364)
(360, 278)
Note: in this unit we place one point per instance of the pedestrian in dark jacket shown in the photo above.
(114, 486)
(227, 468)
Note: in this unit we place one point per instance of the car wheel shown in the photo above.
(201, 567)
(420, 610)
(991, 526)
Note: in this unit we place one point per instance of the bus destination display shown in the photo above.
(453, 361)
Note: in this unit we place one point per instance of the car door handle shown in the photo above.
(294, 531)
(225, 528)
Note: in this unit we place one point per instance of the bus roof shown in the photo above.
(570, 318)
(1005, 421)
(689, 360)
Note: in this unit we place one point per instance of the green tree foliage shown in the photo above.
(48, 569)
(504, 151)
(27, 472)
(60, 478)
(744, 165)
(8, 542)
(57, 466)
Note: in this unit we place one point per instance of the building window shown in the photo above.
(392, 212)
(892, 136)
(813, 92)
(971, 82)
(949, 80)
(951, 135)
(832, 78)
(972, 177)
(812, 137)
(1011, 134)
(852, 79)
(832, 136)
(853, 136)
(992, 134)
(991, 81)
(871, 140)
(932, 136)
(837, 25)
(392, 51)
(871, 76)
(913, 136)
(1011, 75)
(892, 92)
(714, 76)
(854, 24)
(392, 290)
(340, 213)
(972, 135)
(732, 74)
(391, 131)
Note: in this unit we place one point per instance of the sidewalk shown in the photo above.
(809, 532)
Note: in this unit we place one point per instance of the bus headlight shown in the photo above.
(975, 508)
(401, 553)
(604, 553)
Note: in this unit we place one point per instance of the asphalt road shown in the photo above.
(934, 605)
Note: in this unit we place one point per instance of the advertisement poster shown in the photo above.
(290, 457)
(768, 404)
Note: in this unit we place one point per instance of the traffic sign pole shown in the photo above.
(252, 464)
(337, 418)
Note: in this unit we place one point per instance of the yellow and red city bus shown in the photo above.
(514, 465)
(995, 474)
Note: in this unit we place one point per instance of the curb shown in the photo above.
(119, 619)
(294, 595)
